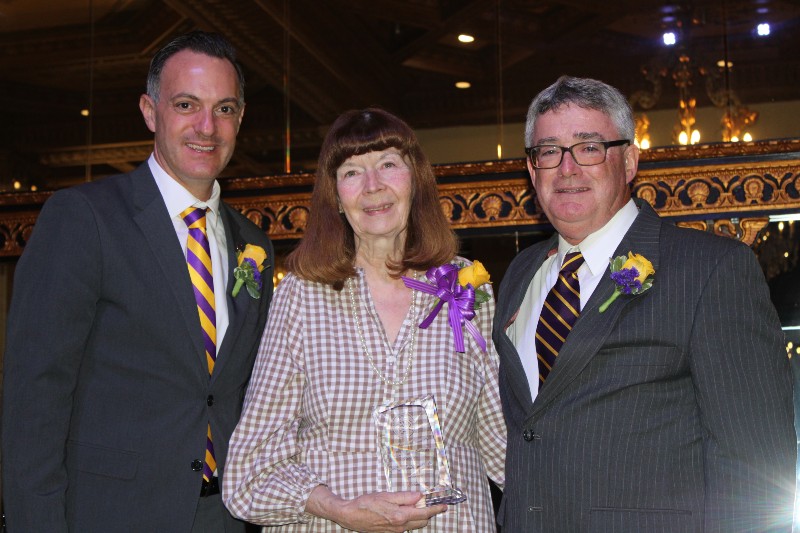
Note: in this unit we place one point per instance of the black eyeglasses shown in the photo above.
(585, 154)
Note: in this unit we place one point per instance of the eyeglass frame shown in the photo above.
(564, 149)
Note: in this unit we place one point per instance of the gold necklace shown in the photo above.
(354, 311)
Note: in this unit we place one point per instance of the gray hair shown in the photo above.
(201, 42)
(588, 94)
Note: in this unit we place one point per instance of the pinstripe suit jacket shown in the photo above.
(670, 412)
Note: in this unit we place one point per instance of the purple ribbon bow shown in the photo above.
(460, 302)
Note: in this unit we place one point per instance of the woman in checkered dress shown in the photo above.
(342, 340)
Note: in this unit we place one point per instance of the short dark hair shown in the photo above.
(210, 44)
(327, 252)
(588, 94)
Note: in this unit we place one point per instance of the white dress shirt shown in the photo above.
(178, 199)
(597, 250)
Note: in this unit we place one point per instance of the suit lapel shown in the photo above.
(237, 307)
(516, 375)
(592, 328)
(243, 303)
(153, 220)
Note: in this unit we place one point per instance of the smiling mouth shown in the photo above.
(572, 190)
(202, 149)
(377, 208)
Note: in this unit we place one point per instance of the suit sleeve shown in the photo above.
(744, 388)
(491, 424)
(56, 287)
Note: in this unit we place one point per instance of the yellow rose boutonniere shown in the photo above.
(632, 274)
(248, 273)
(475, 275)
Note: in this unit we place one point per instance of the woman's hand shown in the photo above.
(379, 512)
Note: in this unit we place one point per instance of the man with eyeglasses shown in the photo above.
(669, 409)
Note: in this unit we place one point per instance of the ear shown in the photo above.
(241, 116)
(148, 109)
(631, 162)
(531, 171)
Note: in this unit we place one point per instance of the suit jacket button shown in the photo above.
(210, 400)
(527, 435)
(197, 465)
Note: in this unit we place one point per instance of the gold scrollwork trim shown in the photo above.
(745, 229)
(15, 229)
(719, 150)
(494, 203)
(721, 188)
(727, 188)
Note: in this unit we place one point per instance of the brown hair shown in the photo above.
(327, 252)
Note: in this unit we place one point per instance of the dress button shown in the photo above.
(197, 465)
(210, 400)
(528, 435)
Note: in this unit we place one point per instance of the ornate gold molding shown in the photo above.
(15, 229)
(727, 188)
(745, 230)
(753, 186)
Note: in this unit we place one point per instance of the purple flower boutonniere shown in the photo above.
(455, 285)
(632, 274)
(248, 273)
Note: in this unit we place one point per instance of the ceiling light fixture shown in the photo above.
(465, 38)
(737, 119)
(463, 85)
(287, 100)
(90, 107)
(499, 51)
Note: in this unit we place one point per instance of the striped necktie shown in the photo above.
(560, 311)
(198, 259)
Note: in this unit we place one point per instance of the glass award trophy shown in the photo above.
(412, 450)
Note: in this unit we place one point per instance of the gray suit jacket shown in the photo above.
(670, 412)
(107, 394)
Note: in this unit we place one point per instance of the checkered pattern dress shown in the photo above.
(307, 416)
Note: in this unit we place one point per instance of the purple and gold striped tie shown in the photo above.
(560, 311)
(198, 259)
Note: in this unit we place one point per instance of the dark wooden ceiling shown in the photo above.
(332, 55)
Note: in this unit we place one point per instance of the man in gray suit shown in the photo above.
(671, 409)
(112, 407)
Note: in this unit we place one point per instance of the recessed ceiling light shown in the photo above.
(465, 38)
(669, 38)
(721, 63)
(463, 85)
(762, 29)
(84, 112)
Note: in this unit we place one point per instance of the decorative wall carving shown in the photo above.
(746, 229)
(727, 188)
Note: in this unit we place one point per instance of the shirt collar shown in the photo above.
(176, 196)
(598, 247)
